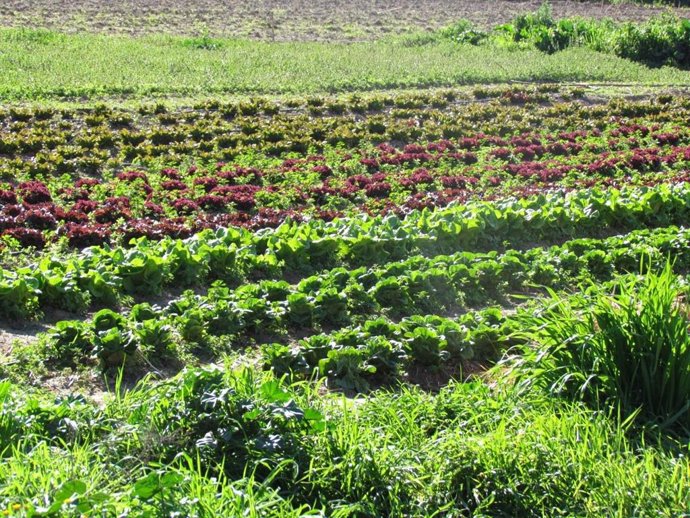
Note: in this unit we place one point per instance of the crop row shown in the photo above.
(45, 142)
(177, 204)
(147, 115)
(101, 275)
(339, 297)
(380, 350)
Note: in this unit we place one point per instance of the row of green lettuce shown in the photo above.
(274, 311)
(101, 276)
(381, 351)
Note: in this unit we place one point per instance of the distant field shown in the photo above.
(289, 20)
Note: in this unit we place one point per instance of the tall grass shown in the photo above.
(629, 349)
(470, 450)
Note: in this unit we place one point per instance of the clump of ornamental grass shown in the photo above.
(625, 348)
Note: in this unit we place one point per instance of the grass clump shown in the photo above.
(628, 350)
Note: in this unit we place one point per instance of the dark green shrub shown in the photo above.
(664, 40)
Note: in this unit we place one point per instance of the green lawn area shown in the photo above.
(45, 65)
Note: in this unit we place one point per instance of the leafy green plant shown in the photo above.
(204, 41)
(142, 273)
(104, 286)
(186, 267)
(426, 346)
(284, 360)
(72, 341)
(348, 367)
(330, 307)
(386, 356)
(155, 335)
(233, 420)
(315, 348)
(18, 296)
(222, 262)
(549, 35)
(463, 31)
(192, 324)
(300, 310)
(392, 293)
(62, 290)
(113, 340)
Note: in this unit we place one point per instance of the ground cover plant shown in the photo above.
(458, 301)
(467, 450)
(42, 65)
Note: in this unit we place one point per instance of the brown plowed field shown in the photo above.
(286, 20)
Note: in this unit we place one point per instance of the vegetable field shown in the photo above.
(442, 301)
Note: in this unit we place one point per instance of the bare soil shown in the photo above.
(288, 20)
